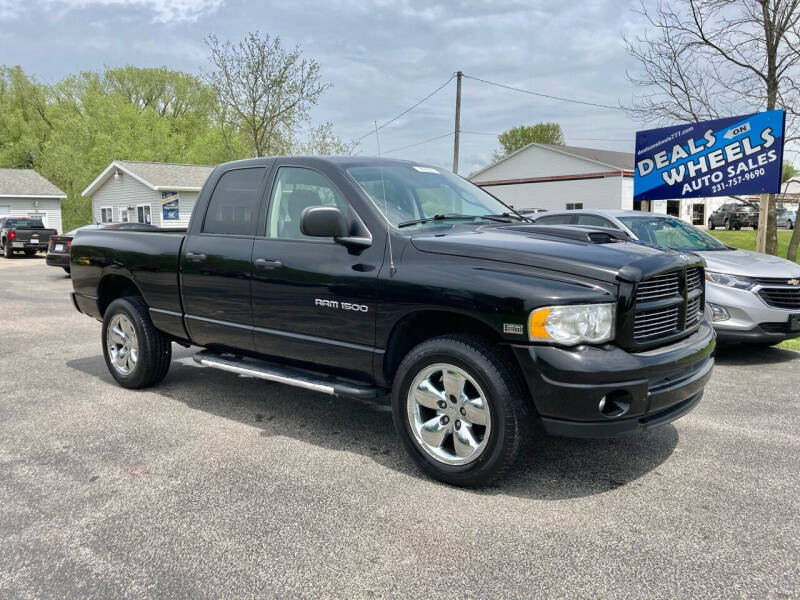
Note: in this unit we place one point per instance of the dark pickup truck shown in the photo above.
(24, 235)
(358, 276)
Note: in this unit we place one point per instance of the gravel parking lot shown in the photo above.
(214, 485)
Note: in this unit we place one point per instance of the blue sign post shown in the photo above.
(723, 157)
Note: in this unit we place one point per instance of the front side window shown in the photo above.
(407, 194)
(296, 189)
(671, 233)
(106, 215)
(234, 203)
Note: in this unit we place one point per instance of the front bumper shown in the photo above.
(752, 319)
(657, 386)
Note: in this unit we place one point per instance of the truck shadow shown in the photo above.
(550, 468)
(751, 355)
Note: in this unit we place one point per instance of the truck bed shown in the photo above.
(150, 258)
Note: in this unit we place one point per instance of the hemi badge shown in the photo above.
(514, 328)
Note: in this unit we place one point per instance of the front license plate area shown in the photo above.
(794, 323)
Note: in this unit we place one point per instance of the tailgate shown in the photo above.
(33, 236)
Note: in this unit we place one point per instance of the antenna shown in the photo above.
(392, 268)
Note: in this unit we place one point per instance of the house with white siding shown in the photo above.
(162, 194)
(25, 193)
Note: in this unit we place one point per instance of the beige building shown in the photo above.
(25, 193)
(162, 194)
(569, 177)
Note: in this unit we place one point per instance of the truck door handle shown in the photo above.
(195, 256)
(267, 263)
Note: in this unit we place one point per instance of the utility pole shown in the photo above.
(459, 74)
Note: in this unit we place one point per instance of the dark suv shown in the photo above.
(734, 216)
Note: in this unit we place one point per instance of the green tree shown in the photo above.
(519, 137)
(790, 171)
(322, 141)
(71, 130)
(264, 91)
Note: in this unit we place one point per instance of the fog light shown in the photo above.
(718, 313)
(615, 404)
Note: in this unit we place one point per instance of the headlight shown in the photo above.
(734, 281)
(592, 323)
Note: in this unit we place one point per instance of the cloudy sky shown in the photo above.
(381, 57)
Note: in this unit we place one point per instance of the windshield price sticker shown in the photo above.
(731, 156)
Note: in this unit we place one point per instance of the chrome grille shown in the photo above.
(787, 297)
(667, 305)
(694, 311)
(694, 279)
(658, 287)
(773, 280)
(658, 322)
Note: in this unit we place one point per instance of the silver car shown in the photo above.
(750, 297)
(787, 218)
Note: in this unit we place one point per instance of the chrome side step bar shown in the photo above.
(307, 380)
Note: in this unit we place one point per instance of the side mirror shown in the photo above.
(323, 221)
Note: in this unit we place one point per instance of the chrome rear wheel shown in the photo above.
(123, 346)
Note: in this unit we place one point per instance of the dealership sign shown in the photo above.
(723, 157)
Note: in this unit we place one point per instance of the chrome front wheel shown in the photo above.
(123, 347)
(449, 414)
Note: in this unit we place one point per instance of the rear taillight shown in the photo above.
(55, 231)
(69, 243)
(12, 235)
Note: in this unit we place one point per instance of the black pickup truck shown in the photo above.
(358, 276)
(24, 235)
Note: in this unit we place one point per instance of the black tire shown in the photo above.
(66, 270)
(7, 251)
(508, 404)
(154, 348)
(711, 225)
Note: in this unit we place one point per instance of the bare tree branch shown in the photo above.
(701, 59)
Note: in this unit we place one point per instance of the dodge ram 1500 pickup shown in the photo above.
(357, 277)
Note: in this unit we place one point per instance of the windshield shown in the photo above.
(669, 232)
(25, 223)
(408, 193)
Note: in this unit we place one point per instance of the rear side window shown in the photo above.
(595, 221)
(555, 220)
(234, 202)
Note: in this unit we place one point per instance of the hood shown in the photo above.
(749, 264)
(605, 262)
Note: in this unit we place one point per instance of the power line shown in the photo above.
(408, 110)
(438, 137)
(516, 89)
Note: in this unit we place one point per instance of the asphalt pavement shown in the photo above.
(214, 485)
